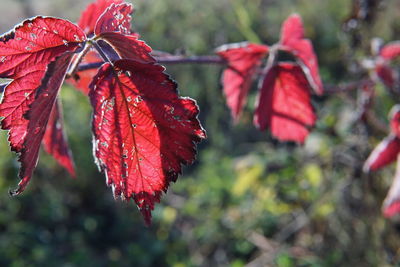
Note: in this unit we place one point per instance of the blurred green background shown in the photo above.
(247, 200)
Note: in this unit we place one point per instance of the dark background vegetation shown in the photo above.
(248, 199)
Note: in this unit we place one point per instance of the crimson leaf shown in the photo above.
(284, 104)
(54, 141)
(387, 75)
(116, 18)
(143, 131)
(292, 40)
(25, 54)
(89, 17)
(391, 204)
(38, 116)
(390, 51)
(243, 60)
(385, 153)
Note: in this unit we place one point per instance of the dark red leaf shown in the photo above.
(284, 104)
(24, 56)
(37, 117)
(292, 40)
(143, 131)
(385, 153)
(54, 141)
(394, 117)
(387, 75)
(116, 18)
(128, 46)
(391, 204)
(92, 13)
(243, 60)
(292, 29)
(391, 50)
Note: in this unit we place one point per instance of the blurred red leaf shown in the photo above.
(284, 104)
(143, 131)
(292, 40)
(390, 51)
(89, 17)
(385, 153)
(387, 75)
(54, 141)
(243, 59)
(82, 79)
(391, 204)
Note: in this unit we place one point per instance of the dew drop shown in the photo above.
(128, 73)
(138, 99)
(65, 42)
(28, 48)
(118, 16)
(26, 95)
(76, 38)
(129, 99)
(18, 38)
(3, 59)
(30, 25)
(55, 31)
(33, 36)
(134, 125)
(104, 144)
(140, 159)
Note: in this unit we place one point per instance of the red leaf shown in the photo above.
(89, 17)
(292, 40)
(128, 46)
(292, 29)
(385, 153)
(143, 131)
(387, 75)
(24, 56)
(82, 79)
(243, 60)
(116, 18)
(394, 117)
(284, 104)
(390, 50)
(37, 117)
(54, 140)
(391, 204)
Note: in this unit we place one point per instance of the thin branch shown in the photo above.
(170, 59)
(190, 59)
(342, 88)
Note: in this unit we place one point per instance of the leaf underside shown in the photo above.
(243, 61)
(292, 40)
(284, 104)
